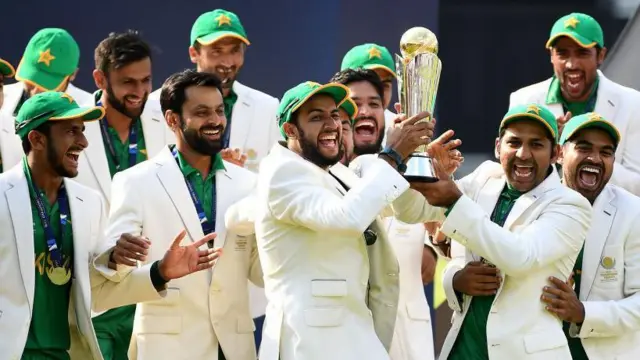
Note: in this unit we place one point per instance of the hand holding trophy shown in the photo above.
(418, 73)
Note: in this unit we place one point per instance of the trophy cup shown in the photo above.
(418, 74)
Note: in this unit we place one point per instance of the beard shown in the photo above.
(198, 143)
(312, 154)
(121, 107)
(366, 149)
(56, 161)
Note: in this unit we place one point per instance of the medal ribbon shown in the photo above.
(133, 141)
(208, 226)
(63, 204)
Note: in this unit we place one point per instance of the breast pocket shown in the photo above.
(328, 303)
(611, 267)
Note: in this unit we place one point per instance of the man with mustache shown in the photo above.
(519, 226)
(124, 137)
(601, 314)
(576, 46)
(49, 63)
(348, 110)
(6, 71)
(189, 186)
(324, 252)
(50, 227)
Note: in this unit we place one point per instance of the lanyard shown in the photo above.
(63, 204)
(133, 142)
(208, 226)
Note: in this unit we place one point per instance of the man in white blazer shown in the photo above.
(576, 44)
(6, 72)
(205, 316)
(602, 315)
(318, 230)
(49, 63)
(519, 226)
(51, 227)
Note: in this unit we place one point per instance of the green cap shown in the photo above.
(52, 106)
(532, 112)
(350, 107)
(369, 56)
(6, 69)
(51, 56)
(582, 28)
(294, 98)
(215, 25)
(589, 121)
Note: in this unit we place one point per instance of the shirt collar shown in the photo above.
(187, 170)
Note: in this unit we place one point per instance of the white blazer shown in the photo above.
(616, 103)
(413, 335)
(89, 288)
(203, 309)
(93, 165)
(315, 261)
(10, 143)
(610, 288)
(541, 237)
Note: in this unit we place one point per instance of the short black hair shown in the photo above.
(348, 76)
(173, 93)
(119, 50)
(45, 128)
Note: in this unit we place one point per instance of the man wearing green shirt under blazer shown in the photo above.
(519, 226)
(50, 229)
(576, 46)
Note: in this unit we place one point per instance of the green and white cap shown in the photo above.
(581, 28)
(215, 25)
(369, 56)
(6, 69)
(532, 112)
(589, 121)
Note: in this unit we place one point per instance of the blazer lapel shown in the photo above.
(224, 183)
(174, 184)
(81, 225)
(528, 199)
(487, 199)
(603, 216)
(240, 118)
(153, 128)
(607, 100)
(20, 209)
(97, 157)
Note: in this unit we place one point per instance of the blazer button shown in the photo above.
(392, 274)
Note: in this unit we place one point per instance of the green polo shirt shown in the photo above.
(202, 187)
(554, 96)
(122, 148)
(229, 102)
(471, 343)
(49, 336)
(575, 344)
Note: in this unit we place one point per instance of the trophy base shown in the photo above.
(420, 169)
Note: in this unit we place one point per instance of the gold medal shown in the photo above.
(58, 275)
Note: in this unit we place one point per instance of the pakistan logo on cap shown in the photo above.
(46, 57)
(533, 109)
(223, 20)
(595, 117)
(374, 52)
(571, 22)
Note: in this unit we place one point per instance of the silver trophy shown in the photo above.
(418, 72)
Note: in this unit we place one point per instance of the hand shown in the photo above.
(562, 120)
(130, 248)
(442, 193)
(428, 268)
(408, 134)
(443, 149)
(180, 261)
(234, 156)
(477, 279)
(562, 301)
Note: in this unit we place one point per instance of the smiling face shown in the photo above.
(587, 162)
(61, 145)
(368, 129)
(576, 68)
(128, 87)
(525, 152)
(202, 121)
(224, 58)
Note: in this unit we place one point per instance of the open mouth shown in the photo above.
(328, 141)
(365, 129)
(212, 134)
(523, 173)
(133, 102)
(73, 156)
(589, 176)
(575, 81)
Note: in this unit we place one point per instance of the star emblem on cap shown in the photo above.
(533, 109)
(375, 52)
(311, 83)
(223, 19)
(571, 22)
(67, 96)
(46, 57)
(594, 117)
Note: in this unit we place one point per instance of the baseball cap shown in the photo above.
(587, 121)
(369, 56)
(532, 112)
(295, 97)
(6, 69)
(350, 107)
(52, 106)
(51, 56)
(215, 25)
(581, 28)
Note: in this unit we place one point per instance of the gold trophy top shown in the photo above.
(418, 40)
